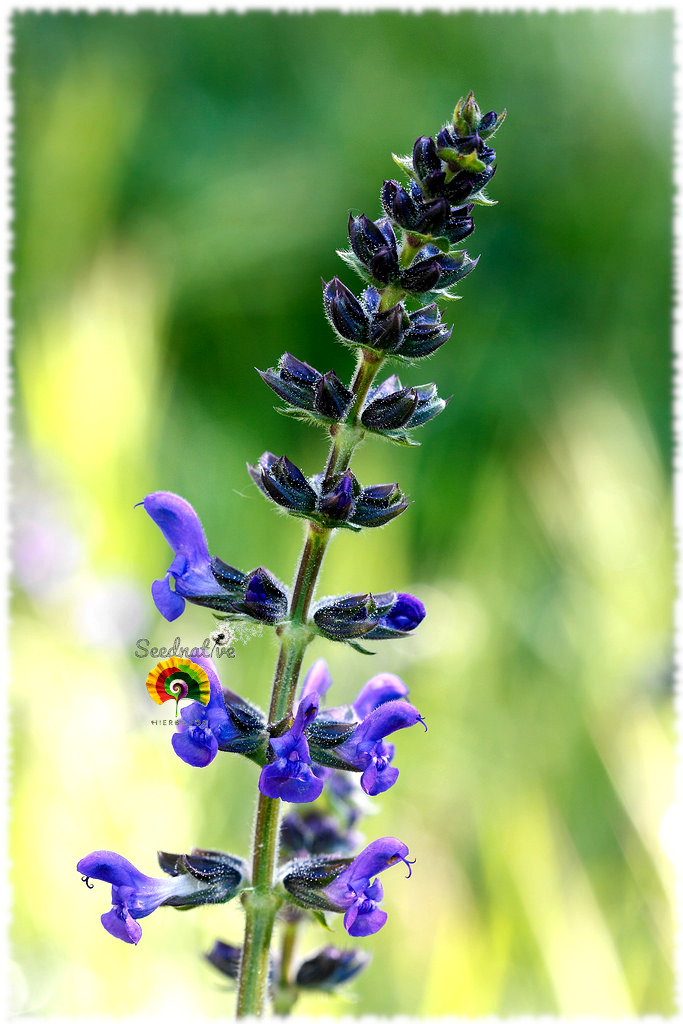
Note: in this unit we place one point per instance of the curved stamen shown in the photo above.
(89, 885)
(408, 864)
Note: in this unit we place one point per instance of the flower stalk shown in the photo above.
(326, 762)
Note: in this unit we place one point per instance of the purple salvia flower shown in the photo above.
(290, 777)
(133, 894)
(191, 566)
(230, 725)
(354, 891)
(366, 749)
(354, 738)
(203, 728)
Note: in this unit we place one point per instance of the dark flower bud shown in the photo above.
(411, 212)
(283, 482)
(398, 204)
(249, 734)
(226, 959)
(387, 327)
(490, 123)
(346, 618)
(425, 157)
(432, 217)
(230, 578)
(428, 405)
(312, 833)
(425, 334)
(379, 505)
(389, 406)
(265, 597)
(337, 501)
(331, 967)
(303, 387)
(344, 312)
(218, 875)
(306, 880)
(257, 594)
(422, 275)
(374, 243)
(332, 399)
(464, 184)
(454, 267)
(459, 223)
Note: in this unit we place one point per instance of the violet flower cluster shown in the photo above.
(319, 764)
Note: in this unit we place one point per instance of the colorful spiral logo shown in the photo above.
(177, 678)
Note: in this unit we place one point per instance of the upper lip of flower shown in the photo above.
(191, 565)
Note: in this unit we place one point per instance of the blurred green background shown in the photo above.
(181, 185)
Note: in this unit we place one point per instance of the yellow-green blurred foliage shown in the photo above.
(181, 184)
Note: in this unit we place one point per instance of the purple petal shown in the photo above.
(318, 679)
(407, 613)
(387, 718)
(170, 604)
(194, 742)
(106, 866)
(179, 524)
(375, 780)
(378, 690)
(122, 927)
(360, 924)
(294, 739)
(378, 856)
(293, 782)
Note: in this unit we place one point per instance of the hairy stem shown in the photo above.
(261, 902)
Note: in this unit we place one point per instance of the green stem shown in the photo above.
(347, 436)
(261, 902)
(285, 995)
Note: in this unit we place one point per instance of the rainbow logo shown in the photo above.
(177, 678)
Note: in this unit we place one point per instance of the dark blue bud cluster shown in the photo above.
(394, 331)
(375, 256)
(335, 501)
(302, 387)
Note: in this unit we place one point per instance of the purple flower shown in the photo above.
(290, 776)
(401, 613)
(367, 751)
(354, 892)
(191, 566)
(354, 738)
(133, 894)
(370, 616)
(201, 727)
(203, 730)
(333, 884)
(204, 580)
